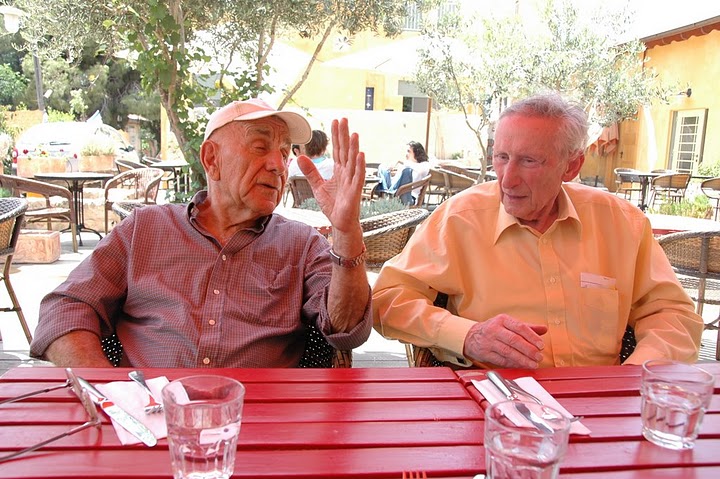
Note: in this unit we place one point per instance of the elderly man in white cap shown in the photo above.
(222, 281)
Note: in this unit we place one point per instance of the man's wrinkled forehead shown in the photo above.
(272, 128)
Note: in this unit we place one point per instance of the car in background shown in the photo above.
(67, 138)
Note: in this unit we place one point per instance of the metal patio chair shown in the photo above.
(12, 211)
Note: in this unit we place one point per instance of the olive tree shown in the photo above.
(173, 43)
(476, 64)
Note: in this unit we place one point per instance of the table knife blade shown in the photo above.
(499, 382)
(122, 417)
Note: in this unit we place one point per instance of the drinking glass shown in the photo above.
(203, 422)
(524, 439)
(675, 396)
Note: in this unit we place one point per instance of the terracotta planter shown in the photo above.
(101, 163)
(27, 166)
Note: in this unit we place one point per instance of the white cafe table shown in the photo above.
(666, 224)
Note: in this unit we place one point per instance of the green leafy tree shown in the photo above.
(12, 85)
(475, 64)
(172, 41)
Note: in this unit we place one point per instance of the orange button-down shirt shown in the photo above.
(593, 272)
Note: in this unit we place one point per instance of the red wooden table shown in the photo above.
(360, 423)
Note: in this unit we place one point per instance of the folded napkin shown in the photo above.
(529, 384)
(132, 398)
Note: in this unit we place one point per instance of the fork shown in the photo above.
(414, 475)
(152, 406)
(518, 390)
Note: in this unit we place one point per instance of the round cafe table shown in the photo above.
(666, 224)
(75, 182)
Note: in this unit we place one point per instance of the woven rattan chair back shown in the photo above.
(695, 257)
(385, 235)
(458, 182)
(140, 185)
(711, 189)
(58, 207)
(12, 211)
(475, 175)
(300, 190)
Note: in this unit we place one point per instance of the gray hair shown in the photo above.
(574, 129)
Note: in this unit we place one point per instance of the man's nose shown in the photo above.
(510, 174)
(276, 162)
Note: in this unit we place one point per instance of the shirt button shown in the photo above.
(211, 322)
(544, 241)
(206, 361)
(561, 362)
(553, 280)
(224, 258)
(557, 321)
(215, 291)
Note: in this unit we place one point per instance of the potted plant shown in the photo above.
(97, 155)
(40, 161)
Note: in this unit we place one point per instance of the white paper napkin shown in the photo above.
(529, 384)
(132, 398)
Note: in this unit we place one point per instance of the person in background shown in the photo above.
(414, 168)
(316, 149)
(222, 281)
(538, 272)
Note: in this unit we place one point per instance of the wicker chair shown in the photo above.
(124, 165)
(627, 182)
(12, 212)
(422, 183)
(669, 187)
(437, 186)
(475, 175)
(141, 183)
(300, 189)
(711, 189)
(49, 213)
(457, 182)
(318, 352)
(385, 235)
(695, 257)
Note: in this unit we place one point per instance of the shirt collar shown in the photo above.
(192, 212)
(566, 211)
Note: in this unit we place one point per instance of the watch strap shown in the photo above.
(348, 262)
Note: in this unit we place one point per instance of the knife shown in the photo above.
(129, 423)
(499, 383)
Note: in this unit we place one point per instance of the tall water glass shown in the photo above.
(203, 422)
(514, 447)
(675, 396)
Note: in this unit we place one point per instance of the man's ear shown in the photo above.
(573, 167)
(210, 159)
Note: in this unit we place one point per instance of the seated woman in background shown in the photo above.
(315, 150)
(414, 168)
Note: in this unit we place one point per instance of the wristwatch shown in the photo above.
(348, 262)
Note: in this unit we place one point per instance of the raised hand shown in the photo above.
(339, 197)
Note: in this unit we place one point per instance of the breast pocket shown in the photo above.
(599, 319)
(271, 295)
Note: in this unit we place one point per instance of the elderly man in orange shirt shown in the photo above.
(538, 272)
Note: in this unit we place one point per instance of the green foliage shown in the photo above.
(698, 207)
(386, 204)
(12, 85)
(55, 115)
(97, 147)
(476, 63)
(709, 169)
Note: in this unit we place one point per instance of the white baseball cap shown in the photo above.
(254, 108)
